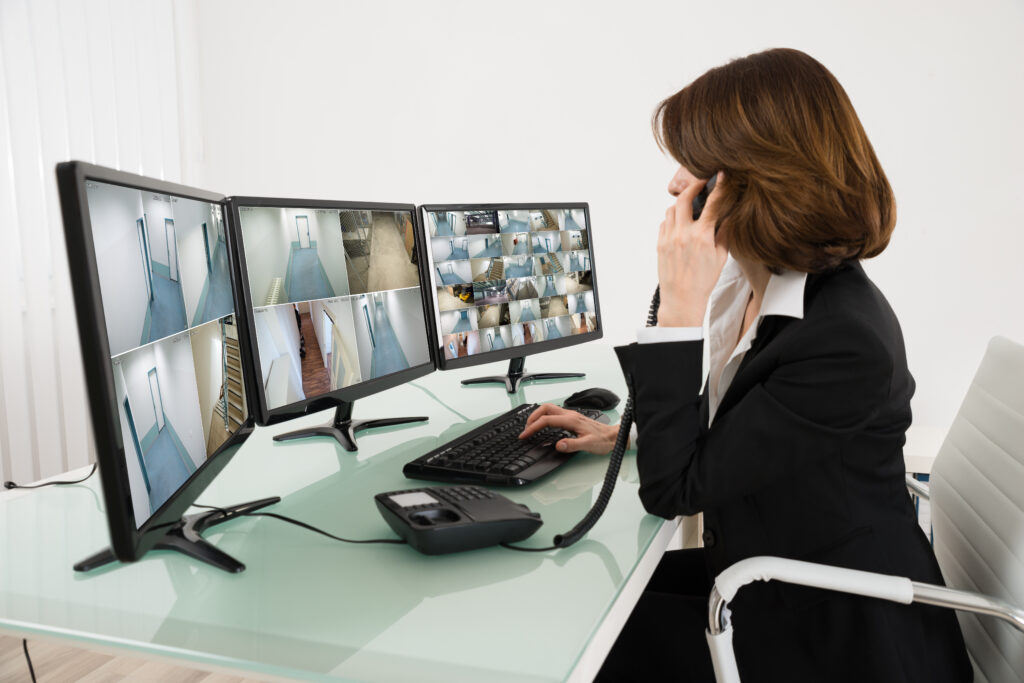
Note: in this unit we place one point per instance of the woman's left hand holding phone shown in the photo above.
(690, 258)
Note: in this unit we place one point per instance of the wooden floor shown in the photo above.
(316, 379)
(59, 663)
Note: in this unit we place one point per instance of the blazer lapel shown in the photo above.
(750, 371)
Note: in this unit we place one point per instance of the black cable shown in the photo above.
(309, 527)
(614, 462)
(12, 485)
(529, 550)
(31, 671)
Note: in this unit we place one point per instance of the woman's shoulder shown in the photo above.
(847, 292)
(846, 303)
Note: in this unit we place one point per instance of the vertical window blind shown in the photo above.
(111, 82)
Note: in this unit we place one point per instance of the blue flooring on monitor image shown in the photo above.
(166, 310)
(166, 467)
(219, 302)
(552, 329)
(449, 278)
(527, 315)
(306, 277)
(458, 254)
(492, 249)
(525, 270)
(443, 226)
(497, 343)
(570, 224)
(463, 325)
(388, 356)
(516, 226)
(521, 248)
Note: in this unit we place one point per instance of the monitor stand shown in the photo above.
(187, 537)
(343, 429)
(516, 376)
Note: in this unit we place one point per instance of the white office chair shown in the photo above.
(977, 503)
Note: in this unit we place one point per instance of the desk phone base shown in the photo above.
(449, 519)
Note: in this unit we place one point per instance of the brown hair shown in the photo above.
(802, 187)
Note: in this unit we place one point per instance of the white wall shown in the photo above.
(175, 368)
(406, 315)
(341, 309)
(325, 228)
(936, 85)
(189, 216)
(277, 334)
(157, 208)
(207, 355)
(363, 343)
(113, 211)
(115, 83)
(136, 482)
(267, 242)
(136, 367)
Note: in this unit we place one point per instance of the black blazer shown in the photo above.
(804, 459)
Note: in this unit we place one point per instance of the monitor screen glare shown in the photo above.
(509, 278)
(336, 297)
(167, 300)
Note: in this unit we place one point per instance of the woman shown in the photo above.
(794, 447)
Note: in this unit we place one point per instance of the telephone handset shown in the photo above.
(626, 423)
(698, 207)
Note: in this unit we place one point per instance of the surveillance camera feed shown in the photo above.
(336, 297)
(167, 299)
(509, 278)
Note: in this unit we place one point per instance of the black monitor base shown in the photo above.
(516, 376)
(186, 537)
(343, 429)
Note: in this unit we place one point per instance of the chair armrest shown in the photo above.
(883, 586)
(869, 584)
(918, 488)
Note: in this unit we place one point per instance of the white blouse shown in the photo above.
(784, 296)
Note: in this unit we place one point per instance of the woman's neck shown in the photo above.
(757, 275)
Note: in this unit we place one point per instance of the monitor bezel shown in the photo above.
(444, 363)
(338, 397)
(129, 542)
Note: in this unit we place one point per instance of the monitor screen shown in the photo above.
(336, 297)
(507, 278)
(168, 304)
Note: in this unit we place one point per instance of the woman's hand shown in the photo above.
(591, 436)
(690, 259)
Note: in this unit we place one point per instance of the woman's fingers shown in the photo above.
(542, 410)
(567, 420)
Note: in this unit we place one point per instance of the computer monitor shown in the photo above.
(334, 306)
(167, 367)
(510, 280)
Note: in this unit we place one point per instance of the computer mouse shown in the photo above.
(595, 397)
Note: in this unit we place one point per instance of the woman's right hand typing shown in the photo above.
(591, 436)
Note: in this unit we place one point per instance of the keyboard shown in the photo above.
(493, 453)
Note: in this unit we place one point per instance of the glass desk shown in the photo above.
(310, 608)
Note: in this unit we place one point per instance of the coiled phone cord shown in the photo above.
(614, 463)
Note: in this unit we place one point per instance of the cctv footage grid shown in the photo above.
(336, 297)
(169, 308)
(510, 277)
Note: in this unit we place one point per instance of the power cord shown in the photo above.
(309, 527)
(31, 671)
(12, 485)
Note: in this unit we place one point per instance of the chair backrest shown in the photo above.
(977, 498)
